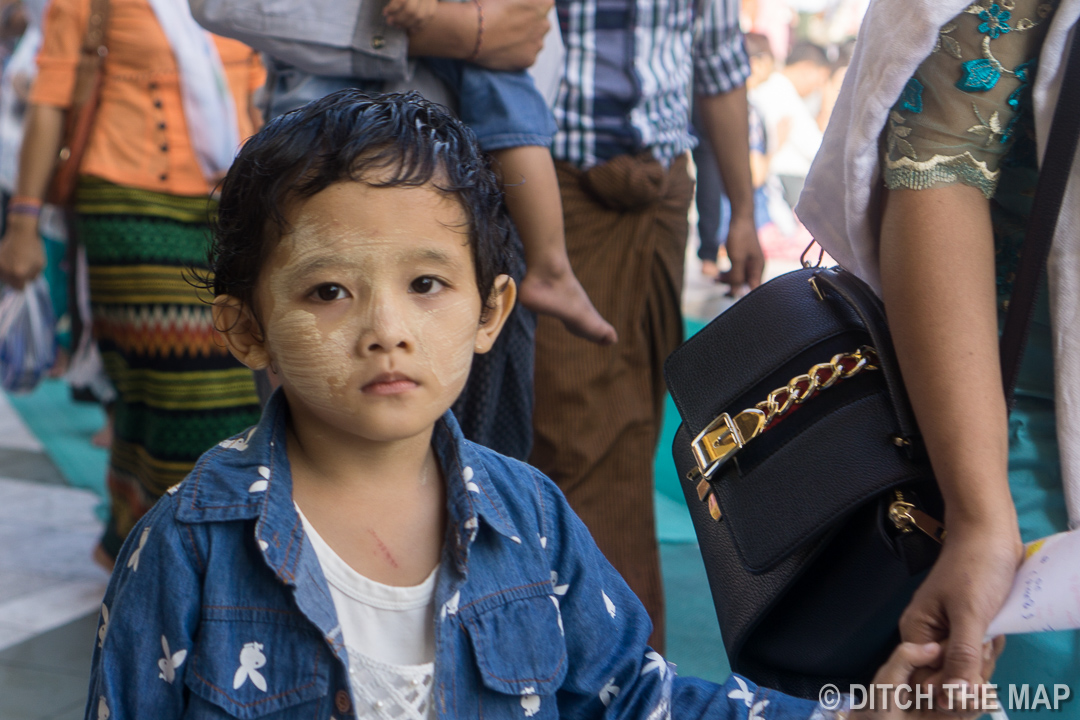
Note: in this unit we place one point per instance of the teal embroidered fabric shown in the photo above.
(966, 117)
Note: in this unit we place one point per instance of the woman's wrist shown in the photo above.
(24, 205)
(21, 227)
(479, 31)
(982, 518)
(450, 33)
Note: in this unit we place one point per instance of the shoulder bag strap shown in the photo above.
(1053, 177)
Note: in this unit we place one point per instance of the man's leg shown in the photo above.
(598, 409)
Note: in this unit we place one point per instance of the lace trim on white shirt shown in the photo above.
(390, 692)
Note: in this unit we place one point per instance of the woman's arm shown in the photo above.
(513, 32)
(938, 280)
(22, 256)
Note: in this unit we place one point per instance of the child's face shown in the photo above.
(371, 312)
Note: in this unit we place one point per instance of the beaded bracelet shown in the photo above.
(24, 205)
(479, 31)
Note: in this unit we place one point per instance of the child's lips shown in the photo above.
(389, 384)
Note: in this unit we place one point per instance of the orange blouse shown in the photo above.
(140, 136)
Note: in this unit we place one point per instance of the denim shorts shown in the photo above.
(503, 109)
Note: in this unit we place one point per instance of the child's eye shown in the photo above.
(425, 285)
(330, 292)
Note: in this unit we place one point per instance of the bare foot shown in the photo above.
(102, 558)
(103, 438)
(561, 296)
(60, 366)
(710, 269)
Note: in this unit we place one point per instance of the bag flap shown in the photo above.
(826, 471)
(747, 343)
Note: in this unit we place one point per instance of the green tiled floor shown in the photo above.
(65, 427)
(46, 678)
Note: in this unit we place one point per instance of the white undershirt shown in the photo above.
(389, 633)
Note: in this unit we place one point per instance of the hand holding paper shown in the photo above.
(1046, 592)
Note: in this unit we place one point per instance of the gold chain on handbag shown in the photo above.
(726, 435)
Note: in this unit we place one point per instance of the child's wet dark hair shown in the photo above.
(391, 140)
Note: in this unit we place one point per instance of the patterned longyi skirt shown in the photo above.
(179, 390)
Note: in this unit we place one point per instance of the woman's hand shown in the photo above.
(22, 255)
(514, 33)
(409, 14)
(963, 592)
(912, 661)
(510, 37)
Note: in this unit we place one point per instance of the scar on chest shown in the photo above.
(382, 550)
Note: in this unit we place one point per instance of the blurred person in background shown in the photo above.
(175, 103)
(15, 83)
(789, 101)
(622, 158)
(831, 90)
(773, 20)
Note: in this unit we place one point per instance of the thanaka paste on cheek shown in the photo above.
(316, 365)
(327, 351)
(317, 360)
(449, 333)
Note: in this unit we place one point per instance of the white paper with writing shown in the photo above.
(1046, 592)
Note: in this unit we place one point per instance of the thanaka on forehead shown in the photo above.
(318, 263)
(394, 141)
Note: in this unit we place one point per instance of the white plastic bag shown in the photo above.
(27, 335)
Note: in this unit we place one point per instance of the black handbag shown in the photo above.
(808, 485)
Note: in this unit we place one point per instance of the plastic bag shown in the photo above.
(27, 335)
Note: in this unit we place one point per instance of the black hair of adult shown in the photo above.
(844, 52)
(757, 45)
(807, 52)
(385, 140)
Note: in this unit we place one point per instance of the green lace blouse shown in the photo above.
(966, 117)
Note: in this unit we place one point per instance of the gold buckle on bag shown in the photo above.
(726, 435)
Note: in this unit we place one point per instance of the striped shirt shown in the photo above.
(630, 65)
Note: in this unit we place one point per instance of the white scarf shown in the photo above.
(840, 203)
(208, 103)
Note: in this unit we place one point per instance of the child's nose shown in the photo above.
(388, 329)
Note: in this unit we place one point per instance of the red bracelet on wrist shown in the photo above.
(479, 31)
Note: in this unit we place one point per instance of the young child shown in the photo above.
(512, 121)
(353, 555)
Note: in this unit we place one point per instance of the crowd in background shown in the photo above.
(574, 385)
(132, 349)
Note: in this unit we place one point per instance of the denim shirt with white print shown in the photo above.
(218, 607)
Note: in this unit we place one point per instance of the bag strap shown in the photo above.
(1050, 191)
(94, 39)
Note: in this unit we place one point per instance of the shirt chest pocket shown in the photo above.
(256, 663)
(520, 654)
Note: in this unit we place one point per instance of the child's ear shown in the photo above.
(497, 309)
(242, 333)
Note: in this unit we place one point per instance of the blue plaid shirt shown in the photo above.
(629, 70)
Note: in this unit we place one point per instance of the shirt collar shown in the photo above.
(247, 477)
(470, 493)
